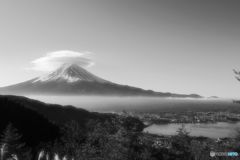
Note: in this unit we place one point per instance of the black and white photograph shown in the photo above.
(119, 79)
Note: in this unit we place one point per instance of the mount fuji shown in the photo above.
(71, 79)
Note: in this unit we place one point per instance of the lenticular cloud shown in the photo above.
(55, 59)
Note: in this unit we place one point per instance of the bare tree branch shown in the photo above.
(237, 74)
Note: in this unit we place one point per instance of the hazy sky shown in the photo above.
(181, 46)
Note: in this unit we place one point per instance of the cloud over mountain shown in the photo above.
(53, 60)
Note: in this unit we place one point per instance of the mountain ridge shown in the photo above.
(71, 79)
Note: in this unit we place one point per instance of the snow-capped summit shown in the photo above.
(70, 73)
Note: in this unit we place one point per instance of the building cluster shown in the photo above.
(184, 117)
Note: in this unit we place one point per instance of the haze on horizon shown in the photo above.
(168, 46)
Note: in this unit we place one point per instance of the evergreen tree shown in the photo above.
(12, 145)
(181, 144)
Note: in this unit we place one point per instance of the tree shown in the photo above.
(237, 74)
(181, 144)
(108, 140)
(11, 144)
(73, 137)
(103, 143)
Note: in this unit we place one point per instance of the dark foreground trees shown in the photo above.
(111, 140)
(103, 141)
(12, 145)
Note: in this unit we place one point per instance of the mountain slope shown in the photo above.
(39, 122)
(35, 127)
(71, 79)
(53, 112)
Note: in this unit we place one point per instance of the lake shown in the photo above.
(211, 130)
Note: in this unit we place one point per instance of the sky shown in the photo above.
(187, 46)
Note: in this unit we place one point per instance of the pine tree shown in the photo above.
(11, 140)
(181, 144)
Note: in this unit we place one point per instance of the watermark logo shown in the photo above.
(224, 154)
